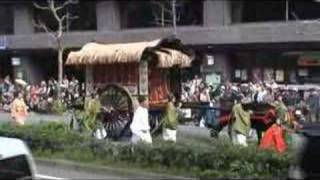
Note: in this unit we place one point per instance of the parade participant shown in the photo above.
(240, 127)
(274, 136)
(170, 121)
(19, 110)
(92, 109)
(140, 127)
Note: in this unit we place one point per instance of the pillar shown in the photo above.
(108, 16)
(23, 19)
(24, 68)
(216, 12)
(237, 11)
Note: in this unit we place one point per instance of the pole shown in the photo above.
(287, 10)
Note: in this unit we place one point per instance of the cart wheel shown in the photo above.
(118, 110)
(155, 122)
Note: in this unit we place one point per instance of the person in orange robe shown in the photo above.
(19, 110)
(274, 137)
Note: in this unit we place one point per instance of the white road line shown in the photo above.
(40, 176)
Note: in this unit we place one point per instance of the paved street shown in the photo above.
(60, 169)
(46, 171)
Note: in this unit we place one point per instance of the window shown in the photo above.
(156, 13)
(274, 10)
(6, 22)
(302, 10)
(263, 10)
(87, 19)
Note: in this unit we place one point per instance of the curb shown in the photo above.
(104, 169)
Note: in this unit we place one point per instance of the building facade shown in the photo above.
(235, 40)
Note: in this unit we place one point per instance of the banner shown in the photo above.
(309, 62)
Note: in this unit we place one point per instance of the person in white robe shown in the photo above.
(140, 127)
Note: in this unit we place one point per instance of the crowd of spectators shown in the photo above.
(40, 97)
(306, 101)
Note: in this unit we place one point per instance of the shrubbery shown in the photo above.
(219, 160)
(58, 107)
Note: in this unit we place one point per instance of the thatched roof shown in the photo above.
(94, 53)
(170, 57)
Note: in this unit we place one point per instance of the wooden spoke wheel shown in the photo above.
(155, 118)
(117, 110)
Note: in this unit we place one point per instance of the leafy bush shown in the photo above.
(58, 107)
(219, 160)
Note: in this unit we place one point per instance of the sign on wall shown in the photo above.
(210, 60)
(309, 62)
(15, 61)
(3, 42)
(143, 78)
(279, 75)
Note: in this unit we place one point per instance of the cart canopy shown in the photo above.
(96, 54)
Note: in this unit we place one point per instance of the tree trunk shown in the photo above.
(60, 69)
(162, 15)
(174, 17)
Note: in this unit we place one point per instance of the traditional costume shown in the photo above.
(140, 127)
(19, 111)
(274, 137)
(170, 123)
(241, 125)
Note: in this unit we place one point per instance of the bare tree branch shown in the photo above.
(72, 17)
(57, 35)
(42, 26)
(41, 7)
(158, 3)
(64, 17)
(66, 3)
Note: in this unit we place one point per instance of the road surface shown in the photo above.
(45, 171)
(71, 170)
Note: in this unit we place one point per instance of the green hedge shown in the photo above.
(219, 160)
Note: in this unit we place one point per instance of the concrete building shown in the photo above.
(240, 40)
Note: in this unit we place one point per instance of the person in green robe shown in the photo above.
(170, 121)
(92, 109)
(240, 127)
(281, 110)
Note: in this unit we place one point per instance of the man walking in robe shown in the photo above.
(170, 121)
(140, 127)
(241, 124)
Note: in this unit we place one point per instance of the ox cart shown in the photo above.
(122, 72)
